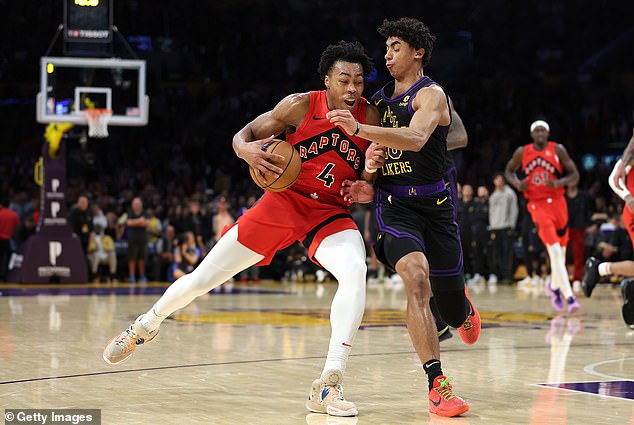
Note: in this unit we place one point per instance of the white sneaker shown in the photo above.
(327, 397)
(397, 283)
(320, 275)
(122, 346)
(388, 283)
(477, 277)
(526, 282)
(476, 283)
(493, 287)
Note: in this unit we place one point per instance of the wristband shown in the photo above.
(367, 170)
(358, 128)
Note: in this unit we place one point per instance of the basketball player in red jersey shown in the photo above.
(621, 181)
(311, 211)
(543, 163)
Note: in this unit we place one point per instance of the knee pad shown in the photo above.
(389, 249)
(452, 306)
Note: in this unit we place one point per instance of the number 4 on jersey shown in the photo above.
(325, 175)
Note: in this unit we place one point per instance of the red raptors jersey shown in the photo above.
(328, 154)
(539, 166)
(628, 216)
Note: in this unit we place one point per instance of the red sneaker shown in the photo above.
(470, 329)
(442, 400)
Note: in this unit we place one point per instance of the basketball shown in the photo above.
(291, 166)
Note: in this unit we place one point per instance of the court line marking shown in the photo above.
(590, 369)
(186, 366)
(146, 369)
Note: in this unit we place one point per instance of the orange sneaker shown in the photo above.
(442, 400)
(121, 347)
(470, 329)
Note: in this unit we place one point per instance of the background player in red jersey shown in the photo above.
(621, 181)
(543, 164)
(311, 211)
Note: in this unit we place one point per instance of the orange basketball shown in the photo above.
(292, 166)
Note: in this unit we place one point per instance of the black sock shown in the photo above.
(433, 369)
(468, 306)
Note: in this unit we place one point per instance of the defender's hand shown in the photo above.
(358, 191)
(375, 156)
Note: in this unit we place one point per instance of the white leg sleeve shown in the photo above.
(227, 258)
(553, 251)
(559, 272)
(343, 255)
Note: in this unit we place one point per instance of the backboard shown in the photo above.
(68, 85)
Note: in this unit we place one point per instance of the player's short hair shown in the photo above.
(347, 51)
(412, 31)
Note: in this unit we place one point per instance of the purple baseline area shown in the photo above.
(618, 389)
(26, 290)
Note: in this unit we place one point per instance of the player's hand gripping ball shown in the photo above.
(291, 166)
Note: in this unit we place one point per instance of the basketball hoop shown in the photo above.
(98, 119)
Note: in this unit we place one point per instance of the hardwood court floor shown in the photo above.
(248, 357)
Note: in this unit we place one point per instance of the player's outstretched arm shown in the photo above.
(572, 174)
(510, 171)
(511, 167)
(431, 109)
(457, 136)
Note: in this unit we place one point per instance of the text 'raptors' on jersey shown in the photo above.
(328, 154)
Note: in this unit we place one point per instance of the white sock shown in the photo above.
(605, 269)
(151, 320)
(227, 258)
(343, 255)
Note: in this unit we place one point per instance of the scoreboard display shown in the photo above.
(88, 21)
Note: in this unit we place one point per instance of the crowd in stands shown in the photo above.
(212, 68)
(498, 236)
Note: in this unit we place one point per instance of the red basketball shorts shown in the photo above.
(279, 219)
(550, 216)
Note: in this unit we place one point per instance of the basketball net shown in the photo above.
(98, 119)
